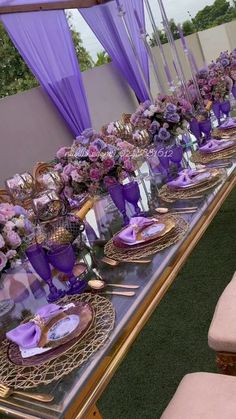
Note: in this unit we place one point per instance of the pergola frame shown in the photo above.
(57, 5)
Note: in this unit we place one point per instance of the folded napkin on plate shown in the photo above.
(229, 123)
(136, 225)
(184, 178)
(215, 145)
(28, 335)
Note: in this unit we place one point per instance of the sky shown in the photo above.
(177, 9)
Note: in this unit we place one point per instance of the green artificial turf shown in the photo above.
(174, 341)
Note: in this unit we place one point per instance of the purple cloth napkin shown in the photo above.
(28, 335)
(229, 123)
(184, 178)
(137, 224)
(215, 145)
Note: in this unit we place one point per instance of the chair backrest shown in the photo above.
(40, 168)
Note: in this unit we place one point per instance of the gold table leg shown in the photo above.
(94, 413)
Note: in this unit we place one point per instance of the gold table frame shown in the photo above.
(84, 405)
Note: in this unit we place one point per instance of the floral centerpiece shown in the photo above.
(91, 165)
(14, 227)
(166, 118)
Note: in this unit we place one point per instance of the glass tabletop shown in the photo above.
(29, 292)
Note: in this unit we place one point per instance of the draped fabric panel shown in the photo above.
(45, 43)
(110, 31)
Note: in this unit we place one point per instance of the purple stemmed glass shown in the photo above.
(38, 260)
(116, 193)
(205, 127)
(176, 156)
(234, 91)
(63, 258)
(132, 195)
(216, 110)
(195, 130)
(225, 107)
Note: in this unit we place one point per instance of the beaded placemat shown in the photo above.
(23, 378)
(170, 194)
(132, 254)
(204, 158)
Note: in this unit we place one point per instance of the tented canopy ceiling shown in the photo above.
(12, 6)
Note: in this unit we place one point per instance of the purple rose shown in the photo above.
(225, 62)
(163, 134)
(100, 144)
(170, 108)
(108, 164)
(19, 210)
(93, 153)
(68, 169)
(154, 127)
(172, 117)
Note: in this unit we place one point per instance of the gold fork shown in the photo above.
(6, 392)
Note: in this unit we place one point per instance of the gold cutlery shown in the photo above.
(113, 262)
(6, 392)
(122, 294)
(99, 284)
(187, 210)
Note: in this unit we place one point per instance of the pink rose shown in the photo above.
(62, 152)
(2, 242)
(109, 181)
(108, 164)
(128, 165)
(6, 212)
(58, 167)
(11, 254)
(68, 169)
(94, 174)
(3, 261)
(75, 176)
(93, 153)
(13, 239)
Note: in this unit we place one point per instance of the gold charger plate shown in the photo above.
(161, 243)
(169, 224)
(86, 314)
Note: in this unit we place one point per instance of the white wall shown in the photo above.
(215, 40)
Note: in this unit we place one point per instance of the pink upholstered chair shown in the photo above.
(222, 332)
(203, 396)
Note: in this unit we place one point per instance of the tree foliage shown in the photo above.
(219, 12)
(102, 58)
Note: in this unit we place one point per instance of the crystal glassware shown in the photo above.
(225, 107)
(38, 259)
(205, 127)
(63, 258)
(176, 156)
(132, 195)
(117, 196)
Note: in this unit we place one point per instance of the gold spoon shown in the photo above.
(98, 284)
(6, 392)
(113, 262)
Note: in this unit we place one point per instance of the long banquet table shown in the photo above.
(76, 394)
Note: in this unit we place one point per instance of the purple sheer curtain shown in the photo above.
(110, 31)
(45, 43)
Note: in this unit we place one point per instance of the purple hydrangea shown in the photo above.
(88, 132)
(163, 134)
(100, 144)
(146, 104)
(225, 62)
(82, 140)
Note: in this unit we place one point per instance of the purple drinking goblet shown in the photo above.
(216, 110)
(132, 195)
(38, 259)
(234, 91)
(116, 193)
(63, 258)
(195, 130)
(205, 127)
(225, 107)
(176, 156)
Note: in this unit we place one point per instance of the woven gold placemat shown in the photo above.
(23, 378)
(170, 194)
(130, 254)
(204, 158)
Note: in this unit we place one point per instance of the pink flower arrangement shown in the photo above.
(14, 228)
(92, 164)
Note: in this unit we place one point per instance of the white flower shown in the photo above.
(11, 254)
(2, 242)
(3, 261)
(147, 113)
(111, 128)
(20, 223)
